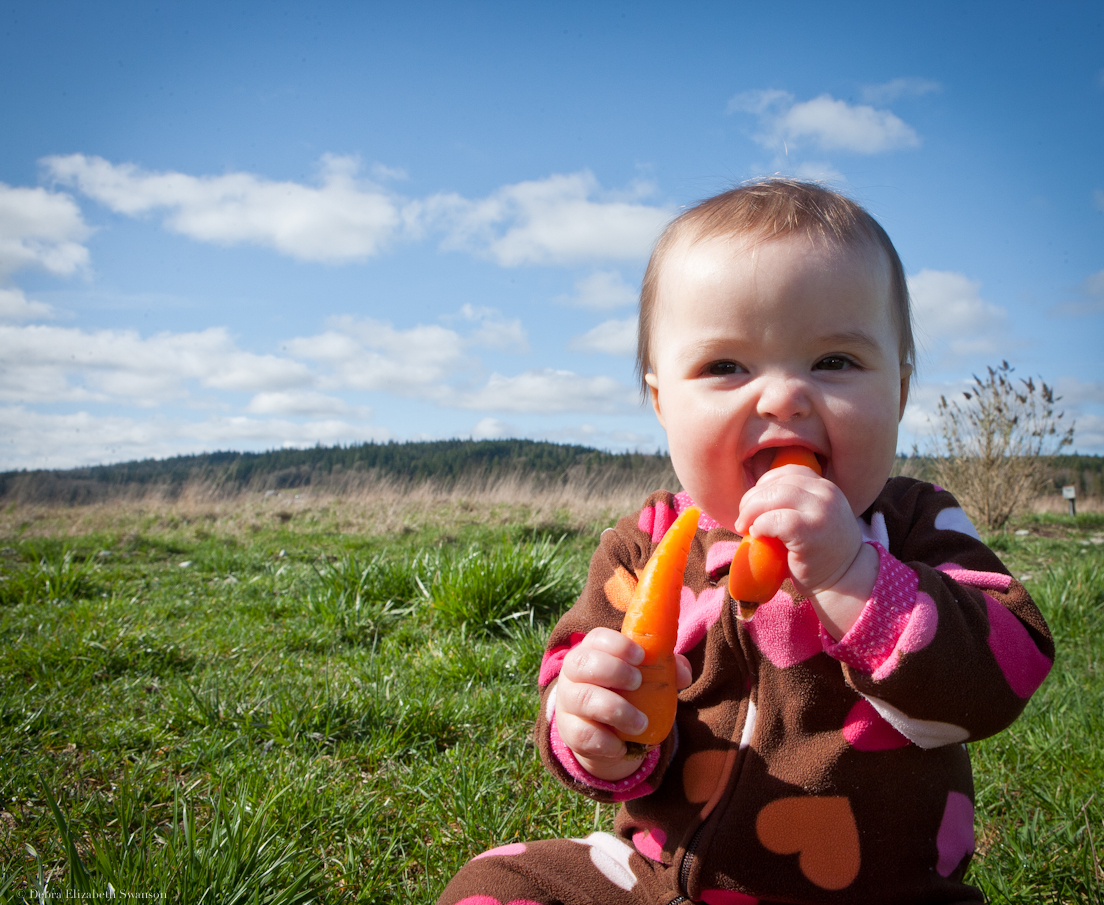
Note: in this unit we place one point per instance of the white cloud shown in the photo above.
(40, 229)
(36, 440)
(562, 219)
(15, 306)
(547, 391)
(920, 421)
(1089, 436)
(45, 364)
(300, 402)
(819, 171)
(1091, 302)
(366, 354)
(1077, 393)
(494, 332)
(759, 101)
(823, 122)
(836, 125)
(341, 219)
(1093, 285)
(492, 429)
(602, 438)
(952, 319)
(612, 337)
(1079, 400)
(586, 434)
(601, 290)
(898, 88)
(54, 364)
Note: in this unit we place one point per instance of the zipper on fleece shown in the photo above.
(690, 855)
(688, 862)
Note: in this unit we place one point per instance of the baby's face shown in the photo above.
(757, 345)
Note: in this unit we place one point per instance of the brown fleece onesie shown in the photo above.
(800, 769)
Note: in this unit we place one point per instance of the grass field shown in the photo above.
(283, 699)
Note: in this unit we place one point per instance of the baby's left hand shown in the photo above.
(828, 561)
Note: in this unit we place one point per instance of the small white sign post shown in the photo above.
(1069, 492)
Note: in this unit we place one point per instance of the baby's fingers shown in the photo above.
(685, 673)
(590, 740)
(605, 661)
(595, 704)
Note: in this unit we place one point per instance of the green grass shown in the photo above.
(293, 714)
(486, 588)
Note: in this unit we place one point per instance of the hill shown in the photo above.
(444, 462)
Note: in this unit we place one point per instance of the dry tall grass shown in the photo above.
(370, 504)
(367, 504)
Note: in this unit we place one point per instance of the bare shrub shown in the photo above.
(993, 447)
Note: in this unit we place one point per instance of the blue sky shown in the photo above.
(246, 226)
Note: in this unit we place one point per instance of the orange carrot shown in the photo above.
(759, 566)
(796, 455)
(652, 622)
(758, 569)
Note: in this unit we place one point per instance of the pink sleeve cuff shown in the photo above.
(873, 637)
(634, 785)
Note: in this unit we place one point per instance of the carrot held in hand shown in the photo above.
(759, 566)
(652, 622)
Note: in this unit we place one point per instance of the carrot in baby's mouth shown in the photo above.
(759, 566)
(652, 622)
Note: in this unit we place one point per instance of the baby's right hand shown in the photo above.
(589, 708)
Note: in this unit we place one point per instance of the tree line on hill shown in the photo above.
(444, 462)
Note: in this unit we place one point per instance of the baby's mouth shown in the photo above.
(758, 464)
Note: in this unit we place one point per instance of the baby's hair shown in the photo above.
(766, 209)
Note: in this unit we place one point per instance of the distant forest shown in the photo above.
(444, 462)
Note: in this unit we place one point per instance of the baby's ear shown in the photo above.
(653, 389)
(906, 379)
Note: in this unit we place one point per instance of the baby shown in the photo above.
(817, 754)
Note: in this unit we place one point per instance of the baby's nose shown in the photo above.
(783, 398)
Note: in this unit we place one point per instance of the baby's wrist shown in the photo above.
(840, 605)
(625, 777)
(608, 770)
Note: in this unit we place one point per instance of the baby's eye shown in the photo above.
(720, 368)
(834, 363)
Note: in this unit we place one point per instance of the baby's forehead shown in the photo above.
(721, 256)
(737, 248)
(769, 273)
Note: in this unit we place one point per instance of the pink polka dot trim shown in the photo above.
(632, 786)
(705, 522)
(875, 633)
